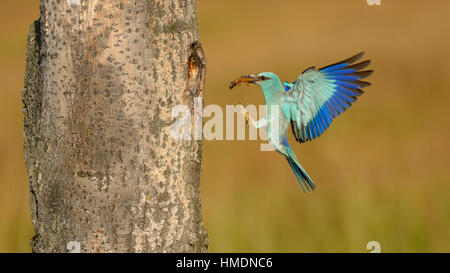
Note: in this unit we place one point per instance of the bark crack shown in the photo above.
(32, 103)
(34, 196)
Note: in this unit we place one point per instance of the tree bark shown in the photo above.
(101, 79)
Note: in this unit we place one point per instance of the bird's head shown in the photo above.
(265, 80)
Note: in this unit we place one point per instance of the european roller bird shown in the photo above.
(308, 105)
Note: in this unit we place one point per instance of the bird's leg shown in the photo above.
(248, 119)
(244, 113)
(260, 123)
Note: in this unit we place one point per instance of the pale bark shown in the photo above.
(101, 80)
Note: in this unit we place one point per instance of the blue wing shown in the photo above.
(287, 86)
(318, 96)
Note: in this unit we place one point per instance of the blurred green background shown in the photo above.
(382, 168)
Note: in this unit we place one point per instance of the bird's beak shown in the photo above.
(245, 79)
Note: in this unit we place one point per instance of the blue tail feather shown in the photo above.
(292, 164)
(302, 177)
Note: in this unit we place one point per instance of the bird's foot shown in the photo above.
(244, 113)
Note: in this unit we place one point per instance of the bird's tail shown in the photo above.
(303, 178)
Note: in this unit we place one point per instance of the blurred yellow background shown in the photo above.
(382, 168)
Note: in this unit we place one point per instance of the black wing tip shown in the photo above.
(363, 84)
(364, 74)
(351, 60)
(308, 69)
(360, 65)
(354, 58)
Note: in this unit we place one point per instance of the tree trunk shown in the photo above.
(105, 173)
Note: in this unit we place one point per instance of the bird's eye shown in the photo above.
(263, 78)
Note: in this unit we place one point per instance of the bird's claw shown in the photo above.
(247, 117)
(244, 113)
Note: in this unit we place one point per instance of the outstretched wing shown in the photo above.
(318, 96)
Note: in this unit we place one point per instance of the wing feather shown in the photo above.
(319, 96)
